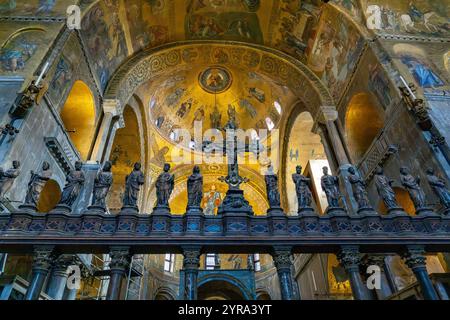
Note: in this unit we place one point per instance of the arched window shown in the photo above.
(169, 262)
(270, 124)
(78, 116)
(126, 150)
(277, 106)
(363, 122)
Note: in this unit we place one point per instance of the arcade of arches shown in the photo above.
(155, 81)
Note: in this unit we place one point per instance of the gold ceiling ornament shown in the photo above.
(215, 79)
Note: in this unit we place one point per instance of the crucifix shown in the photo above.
(234, 200)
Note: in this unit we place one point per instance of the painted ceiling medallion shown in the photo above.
(215, 79)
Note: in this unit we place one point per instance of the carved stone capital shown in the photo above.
(282, 257)
(327, 113)
(42, 259)
(191, 258)
(120, 259)
(62, 262)
(376, 259)
(111, 106)
(414, 257)
(350, 258)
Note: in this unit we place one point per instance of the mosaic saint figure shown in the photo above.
(74, 182)
(211, 201)
(424, 75)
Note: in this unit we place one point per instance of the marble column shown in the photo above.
(58, 277)
(42, 260)
(69, 294)
(282, 258)
(328, 116)
(191, 264)
(415, 259)
(120, 262)
(118, 123)
(350, 258)
(385, 289)
(110, 110)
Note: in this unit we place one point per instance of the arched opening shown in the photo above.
(219, 290)
(78, 116)
(126, 150)
(304, 148)
(403, 200)
(363, 122)
(338, 280)
(164, 294)
(50, 196)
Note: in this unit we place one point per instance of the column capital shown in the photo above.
(327, 113)
(349, 257)
(376, 259)
(62, 262)
(42, 258)
(111, 106)
(120, 258)
(191, 258)
(282, 257)
(414, 257)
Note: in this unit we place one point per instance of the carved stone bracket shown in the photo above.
(58, 154)
(380, 152)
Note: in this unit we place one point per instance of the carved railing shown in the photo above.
(308, 233)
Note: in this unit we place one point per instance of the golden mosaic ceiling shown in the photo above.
(205, 93)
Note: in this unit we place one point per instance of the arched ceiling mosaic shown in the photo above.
(206, 90)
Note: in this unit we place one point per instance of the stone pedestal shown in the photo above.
(277, 221)
(129, 210)
(61, 208)
(161, 220)
(28, 208)
(234, 202)
(193, 220)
